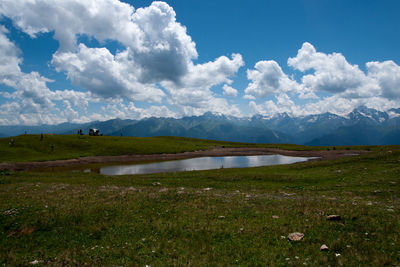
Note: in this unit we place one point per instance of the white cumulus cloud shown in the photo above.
(387, 75)
(104, 74)
(155, 63)
(229, 91)
(333, 74)
(268, 78)
(31, 102)
(159, 47)
(193, 95)
(346, 84)
(130, 111)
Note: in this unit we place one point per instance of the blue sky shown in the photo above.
(78, 61)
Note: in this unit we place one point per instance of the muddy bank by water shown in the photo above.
(322, 155)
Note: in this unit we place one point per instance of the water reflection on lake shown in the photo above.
(203, 163)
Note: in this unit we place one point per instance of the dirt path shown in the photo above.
(325, 155)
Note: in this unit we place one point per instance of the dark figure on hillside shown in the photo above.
(41, 137)
(121, 133)
(12, 142)
(52, 147)
(94, 132)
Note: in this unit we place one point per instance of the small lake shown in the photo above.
(202, 163)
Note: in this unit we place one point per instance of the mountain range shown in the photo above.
(362, 126)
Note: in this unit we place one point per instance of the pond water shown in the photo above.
(202, 163)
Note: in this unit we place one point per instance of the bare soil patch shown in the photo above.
(216, 152)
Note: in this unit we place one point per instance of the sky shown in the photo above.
(80, 61)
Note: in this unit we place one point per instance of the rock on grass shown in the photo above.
(295, 236)
(324, 248)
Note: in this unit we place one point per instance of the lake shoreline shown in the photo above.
(215, 152)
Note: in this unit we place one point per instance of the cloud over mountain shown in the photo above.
(157, 50)
(133, 63)
(347, 86)
(33, 100)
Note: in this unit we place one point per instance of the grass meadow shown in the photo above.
(219, 217)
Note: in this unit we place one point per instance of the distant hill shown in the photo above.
(14, 130)
(205, 127)
(362, 126)
(360, 134)
(301, 129)
(106, 127)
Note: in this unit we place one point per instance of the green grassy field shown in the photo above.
(219, 217)
(31, 148)
(52, 147)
